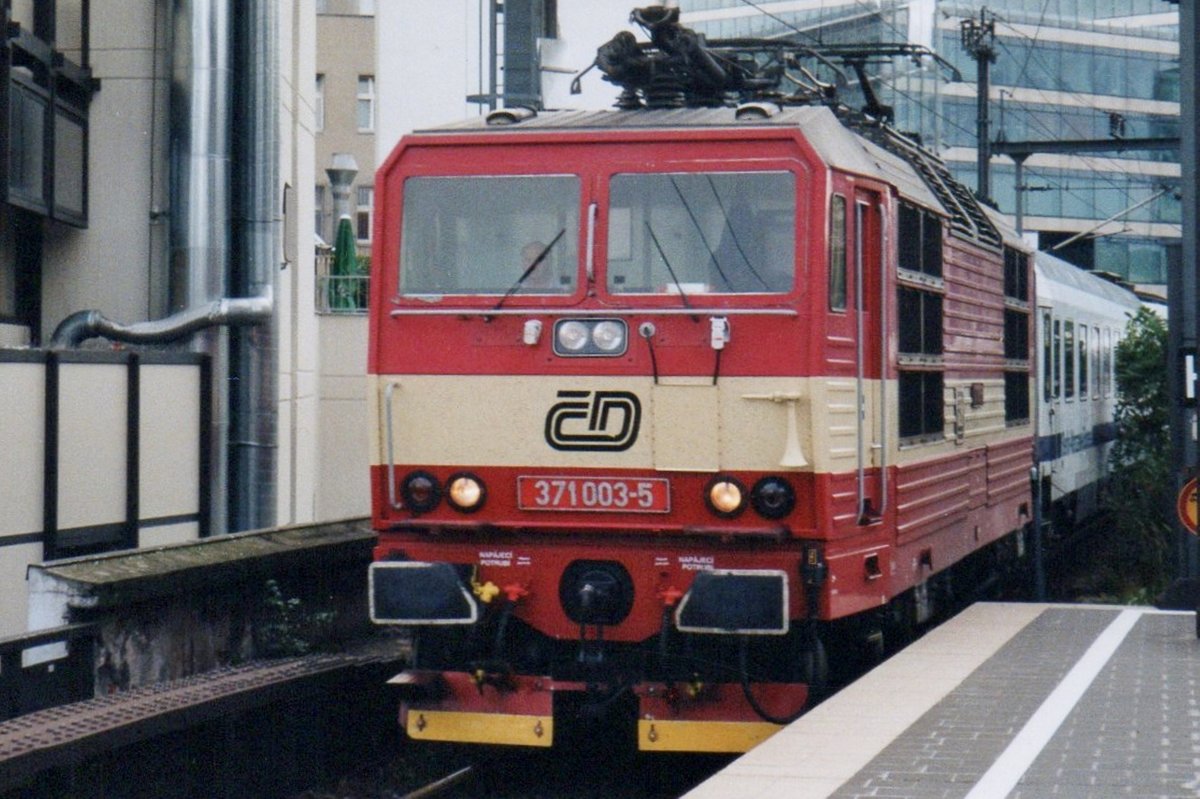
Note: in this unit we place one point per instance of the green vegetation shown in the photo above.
(1132, 561)
(287, 629)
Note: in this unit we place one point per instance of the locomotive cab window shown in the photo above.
(837, 253)
(702, 233)
(490, 235)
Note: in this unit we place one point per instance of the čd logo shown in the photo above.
(599, 421)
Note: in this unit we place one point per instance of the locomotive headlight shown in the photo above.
(609, 336)
(590, 338)
(773, 497)
(725, 496)
(465, 492)
(421, 492)
(571, 336)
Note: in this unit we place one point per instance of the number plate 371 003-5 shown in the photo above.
(602, 494)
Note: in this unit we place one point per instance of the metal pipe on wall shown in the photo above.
(208, 198)
(254, 354)
(199, 215)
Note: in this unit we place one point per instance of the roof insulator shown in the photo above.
(510, 115)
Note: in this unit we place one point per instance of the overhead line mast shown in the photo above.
(979, 40)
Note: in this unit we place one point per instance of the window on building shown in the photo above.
(366, 103)
(319, 213)
(920, 241)
(319, 105)
(27, 138)
(44, 141)
(362, 214)
(837, 253)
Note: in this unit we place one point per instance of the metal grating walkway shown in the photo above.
(71, 733)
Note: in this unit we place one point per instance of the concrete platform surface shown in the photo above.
(1005, 700)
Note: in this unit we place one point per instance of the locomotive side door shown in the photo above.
(870, 314)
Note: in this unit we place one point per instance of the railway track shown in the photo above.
(600, 771)
(440, 787)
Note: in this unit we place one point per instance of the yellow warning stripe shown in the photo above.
(480, 728)
(702, 736)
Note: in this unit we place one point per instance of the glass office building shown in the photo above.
(1064, 70)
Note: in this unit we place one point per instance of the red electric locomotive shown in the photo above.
(669, 398)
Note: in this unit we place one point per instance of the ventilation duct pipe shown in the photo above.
(83, 325)
(207, 48)
(341, 174)
(199, 215)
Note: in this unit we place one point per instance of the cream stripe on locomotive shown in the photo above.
(678, 424)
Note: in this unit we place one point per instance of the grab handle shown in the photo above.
(391, 458)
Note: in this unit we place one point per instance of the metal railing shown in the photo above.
(340, 294)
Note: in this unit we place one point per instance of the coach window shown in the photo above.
(1047, 359)
(837, 253)
(1083, 361)
(1096, 363)
(1057, 359)
(1069, 359)
(702, 233)
(1106, 360)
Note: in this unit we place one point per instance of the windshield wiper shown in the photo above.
(541, 256)
(674, 278)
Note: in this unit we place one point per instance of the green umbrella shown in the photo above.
(345, 277)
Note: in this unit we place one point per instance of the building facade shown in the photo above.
(1060, 70)
(346, 112)
(151, 165)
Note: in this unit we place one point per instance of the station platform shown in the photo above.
(1025, 701)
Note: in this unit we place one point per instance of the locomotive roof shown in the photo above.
(837, 144)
